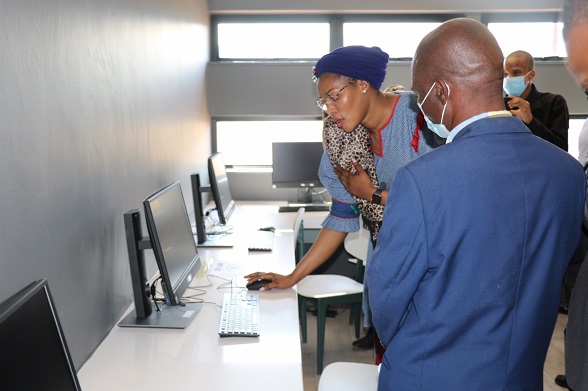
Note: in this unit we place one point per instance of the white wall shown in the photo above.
(101, 103)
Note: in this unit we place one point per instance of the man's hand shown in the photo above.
(520, 108)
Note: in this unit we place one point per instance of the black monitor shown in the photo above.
(198, 208)
(36, 356)
(296, 164)
(221, 190)
(176, 254)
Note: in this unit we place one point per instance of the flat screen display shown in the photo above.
(219, 184)
(296, 164)
(34, 351)
(172, 240)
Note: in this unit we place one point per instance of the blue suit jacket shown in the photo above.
(466, 276)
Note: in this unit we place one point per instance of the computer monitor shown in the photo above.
(199, 223)
(176, 254)
(296, 164)
(221, 190)
(36, 356)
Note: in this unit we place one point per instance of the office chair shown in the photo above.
(356, 244)
(349, 376)
(299, 235)
(328, 289)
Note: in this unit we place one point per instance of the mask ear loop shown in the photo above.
(445, 105)
(426, 96)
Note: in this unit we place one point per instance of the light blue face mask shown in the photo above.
(514, 86)
(439, 128)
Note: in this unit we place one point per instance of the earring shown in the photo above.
(364, 91)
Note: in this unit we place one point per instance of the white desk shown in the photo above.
(196, 358)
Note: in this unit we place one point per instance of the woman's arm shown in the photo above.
(325, 245)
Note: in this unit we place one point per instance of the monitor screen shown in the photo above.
(35, 353)
(172, 240)
(219, 184)
(296, 164)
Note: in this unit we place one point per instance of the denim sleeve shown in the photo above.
(344, 215)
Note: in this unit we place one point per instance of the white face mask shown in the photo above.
(439, 128)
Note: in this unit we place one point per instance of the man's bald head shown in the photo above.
(464, 55)
(522, 56)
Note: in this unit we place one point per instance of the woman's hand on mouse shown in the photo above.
(278, 281)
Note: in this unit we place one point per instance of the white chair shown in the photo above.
(299, 235)
(356, 244)
(349, 376)
(327, 289)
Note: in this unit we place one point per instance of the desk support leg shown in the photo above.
(321, 315)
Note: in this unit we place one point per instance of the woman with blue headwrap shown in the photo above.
(369, 134)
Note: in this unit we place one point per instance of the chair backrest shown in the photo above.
(356, 243)
(299, 235)
(349, 376)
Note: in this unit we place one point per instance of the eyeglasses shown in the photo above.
(330, 99)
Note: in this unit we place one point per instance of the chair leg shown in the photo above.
(357, 315)
(321, 316)
(302, 316)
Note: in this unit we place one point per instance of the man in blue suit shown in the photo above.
(466, 276)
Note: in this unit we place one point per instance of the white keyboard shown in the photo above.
(261, 241)
(239, 315)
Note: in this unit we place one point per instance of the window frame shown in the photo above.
(335, 21)
(336, 39)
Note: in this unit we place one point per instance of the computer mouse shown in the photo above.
(270, 229)
(255, 285)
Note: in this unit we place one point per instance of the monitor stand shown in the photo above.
(169, 317)
(305, 195)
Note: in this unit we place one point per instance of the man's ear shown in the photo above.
(531, 75)
(442, 90)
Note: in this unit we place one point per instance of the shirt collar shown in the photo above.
(458, 128)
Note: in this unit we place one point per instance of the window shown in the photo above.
(574, 135)
(540, 39)
(284, 40)
(383, 35)
(272, 40)
(249, 142)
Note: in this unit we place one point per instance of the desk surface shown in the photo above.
(196, 357)
(267, 211)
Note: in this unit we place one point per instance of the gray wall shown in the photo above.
(101, 103)
(300, 100)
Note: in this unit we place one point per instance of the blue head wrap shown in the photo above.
(356, 62)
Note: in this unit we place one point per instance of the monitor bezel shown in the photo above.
(216, 169)
(313, 182)
(173, 290)
(12, 304)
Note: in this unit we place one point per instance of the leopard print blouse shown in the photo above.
(342, 147)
